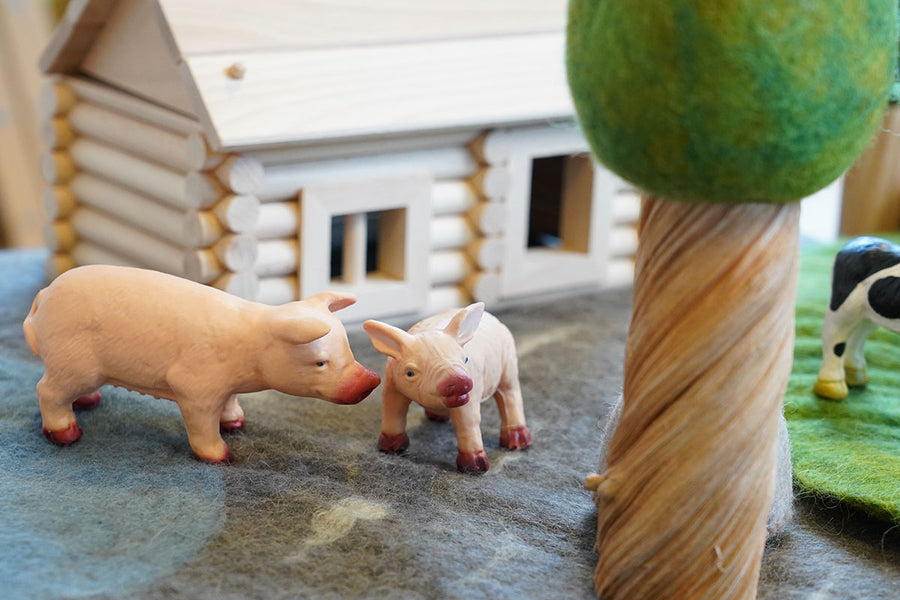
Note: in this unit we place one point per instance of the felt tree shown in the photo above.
(726, 112)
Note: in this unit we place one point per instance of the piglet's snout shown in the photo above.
(455, 387)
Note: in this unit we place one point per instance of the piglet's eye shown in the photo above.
(410, 373)
(321, 363)
(467, 359)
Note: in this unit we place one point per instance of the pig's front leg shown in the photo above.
(471, 457)
(201, 419)
(394, 407)
(232, 418)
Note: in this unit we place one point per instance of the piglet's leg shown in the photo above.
(394, 407)
(471, 457)
(87, 402)
(202, 424)
(59, 423)
(232, 417)
(514, 434)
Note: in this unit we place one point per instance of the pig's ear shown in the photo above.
(464, 323)
(297, 330)
(333, 301)
(387, 339)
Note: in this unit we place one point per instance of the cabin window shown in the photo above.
(367, 237)
(559, 208)
(557, 203)
(363, 246)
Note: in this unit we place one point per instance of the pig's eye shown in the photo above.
(467, 359)
(321, 363)
(410, 373)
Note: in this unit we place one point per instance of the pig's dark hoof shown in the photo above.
(64, 437)
(87, 402)
(233, 425)
(433, 416)
(472, 462)
(515, 438)
(223, 460)
(393, 443)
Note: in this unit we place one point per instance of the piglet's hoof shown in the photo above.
(433, 416)
(233, 425)
(472, 462)
(64, 437)
(87, 402)
(515, 438)
(227, 459)
(856, 377)
(393, 443)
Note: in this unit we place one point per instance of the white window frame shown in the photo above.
(376, 296)
(533, 270)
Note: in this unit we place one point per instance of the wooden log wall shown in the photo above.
(125, 187)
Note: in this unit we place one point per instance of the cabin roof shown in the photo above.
(295, 72)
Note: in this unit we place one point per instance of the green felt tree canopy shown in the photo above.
(730, 100)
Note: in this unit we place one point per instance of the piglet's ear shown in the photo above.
(464, 323)
(296, 329)
(333, 301)
(387, 339)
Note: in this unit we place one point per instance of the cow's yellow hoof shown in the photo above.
(831, 390)
(856, 377)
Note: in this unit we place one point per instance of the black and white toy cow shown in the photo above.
(865, 295)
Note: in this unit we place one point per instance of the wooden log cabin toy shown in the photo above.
(168, 337)
(726, 114)
(865, 295)
(449, 364)
(419, 157)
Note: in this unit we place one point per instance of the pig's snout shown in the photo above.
(359, 385)
(455, 387)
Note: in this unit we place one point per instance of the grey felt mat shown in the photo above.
(312, 510)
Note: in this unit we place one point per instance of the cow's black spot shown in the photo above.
(857, 260)
(839, 349)
(884, 297)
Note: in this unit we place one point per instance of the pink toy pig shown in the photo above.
(176, 339)
(442, 362)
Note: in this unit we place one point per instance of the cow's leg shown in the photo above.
(232, 418)
(394, 406)
(836, 329)
(514, 434)
(854, 357)
(471, 457)
(202, 423)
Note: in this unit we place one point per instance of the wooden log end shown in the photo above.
(202, 266)
(57, 167)
(238, 213)
(59, 202)
(59, 237)
(57, 133)
(242, 285)
(487, 253)
(57, 264)
(240, 174)
(202, 191)
(200, 156)
(237, 252)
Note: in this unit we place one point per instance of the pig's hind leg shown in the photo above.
(514, 434)
(56, 399)
(232, 418)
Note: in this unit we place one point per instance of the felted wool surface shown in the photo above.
(311, 509)
(732, 100)
(848, 450)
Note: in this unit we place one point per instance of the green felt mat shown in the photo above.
(849, 450)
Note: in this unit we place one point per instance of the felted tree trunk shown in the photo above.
(683, 505)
